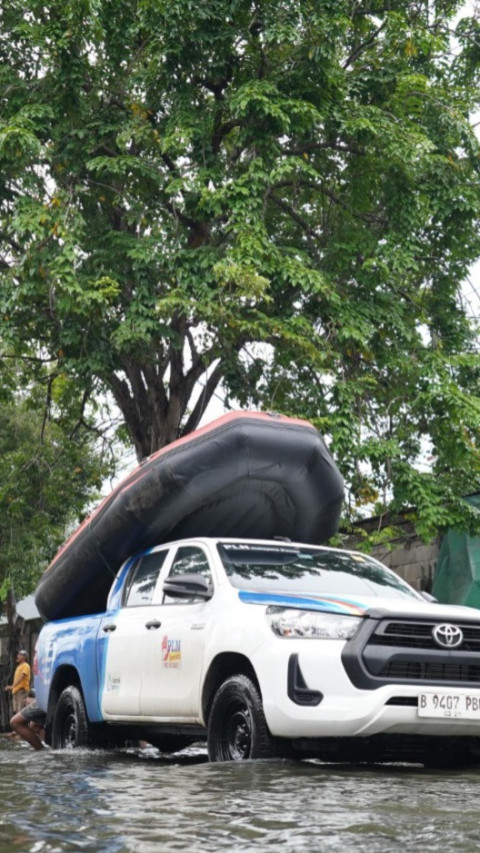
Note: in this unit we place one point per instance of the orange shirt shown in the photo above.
(23, 673)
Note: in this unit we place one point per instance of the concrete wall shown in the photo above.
(406, 554)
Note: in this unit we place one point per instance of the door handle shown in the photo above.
(153, 624)
(108, 628)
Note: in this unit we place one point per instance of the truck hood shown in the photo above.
(371, 606)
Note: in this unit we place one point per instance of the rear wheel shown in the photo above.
(70, 728)
(237, 729)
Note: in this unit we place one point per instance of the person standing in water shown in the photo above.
(20, 686)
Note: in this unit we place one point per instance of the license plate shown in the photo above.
(460, 705)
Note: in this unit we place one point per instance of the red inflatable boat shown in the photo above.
(247, 474)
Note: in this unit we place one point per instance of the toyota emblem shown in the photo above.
(447, 636)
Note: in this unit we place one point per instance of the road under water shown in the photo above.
(139, 801)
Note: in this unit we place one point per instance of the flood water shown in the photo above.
(135, 801)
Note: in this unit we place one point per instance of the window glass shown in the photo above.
(144, 578)
(130, 576)
(273, 568)
(189, 560)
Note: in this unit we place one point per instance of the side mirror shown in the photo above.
(187, 586)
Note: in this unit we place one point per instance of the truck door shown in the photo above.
(126, 631)
(173, 651)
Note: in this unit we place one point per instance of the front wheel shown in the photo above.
(237, 729)
(71, 728)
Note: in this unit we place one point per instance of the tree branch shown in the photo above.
(206, 395)
(363, 45)
(311, 236)
(323, 146)
(364, 217)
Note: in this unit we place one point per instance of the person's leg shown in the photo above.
(22, 727)
(18, 700)
(38, 729)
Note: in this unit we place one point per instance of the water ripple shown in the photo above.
(143, 802)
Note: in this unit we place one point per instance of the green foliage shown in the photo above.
(49, 469)
(281, 195)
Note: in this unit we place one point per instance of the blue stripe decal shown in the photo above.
(326, 603)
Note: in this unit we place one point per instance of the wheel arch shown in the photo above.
(222, 667)
(65, 676)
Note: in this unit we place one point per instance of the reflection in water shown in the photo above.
(142, 802)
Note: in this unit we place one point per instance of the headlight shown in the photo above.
(311, 624)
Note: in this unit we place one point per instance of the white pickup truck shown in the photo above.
(266, 648)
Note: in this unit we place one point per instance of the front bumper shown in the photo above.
(307, 693)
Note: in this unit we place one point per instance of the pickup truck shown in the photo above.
(265, 648)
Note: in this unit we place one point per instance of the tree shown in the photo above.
(50, 466)
(279, 195)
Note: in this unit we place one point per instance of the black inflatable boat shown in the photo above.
(247, 474)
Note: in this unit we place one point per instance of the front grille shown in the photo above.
(390, 650)
(418, 635)
(436, 672)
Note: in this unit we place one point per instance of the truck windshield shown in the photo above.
(272, 568)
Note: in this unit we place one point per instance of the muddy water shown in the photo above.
(135, 801)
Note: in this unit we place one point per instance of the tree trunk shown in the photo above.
(14, 643)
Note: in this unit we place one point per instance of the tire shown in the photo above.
(237, 729)
(71, 728)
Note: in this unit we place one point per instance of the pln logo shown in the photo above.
(171, 652)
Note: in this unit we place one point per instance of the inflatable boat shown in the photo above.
(247, 474)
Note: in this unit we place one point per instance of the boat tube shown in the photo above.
(247, 475)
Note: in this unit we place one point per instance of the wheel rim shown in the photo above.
(237, 734)
(69, 731)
